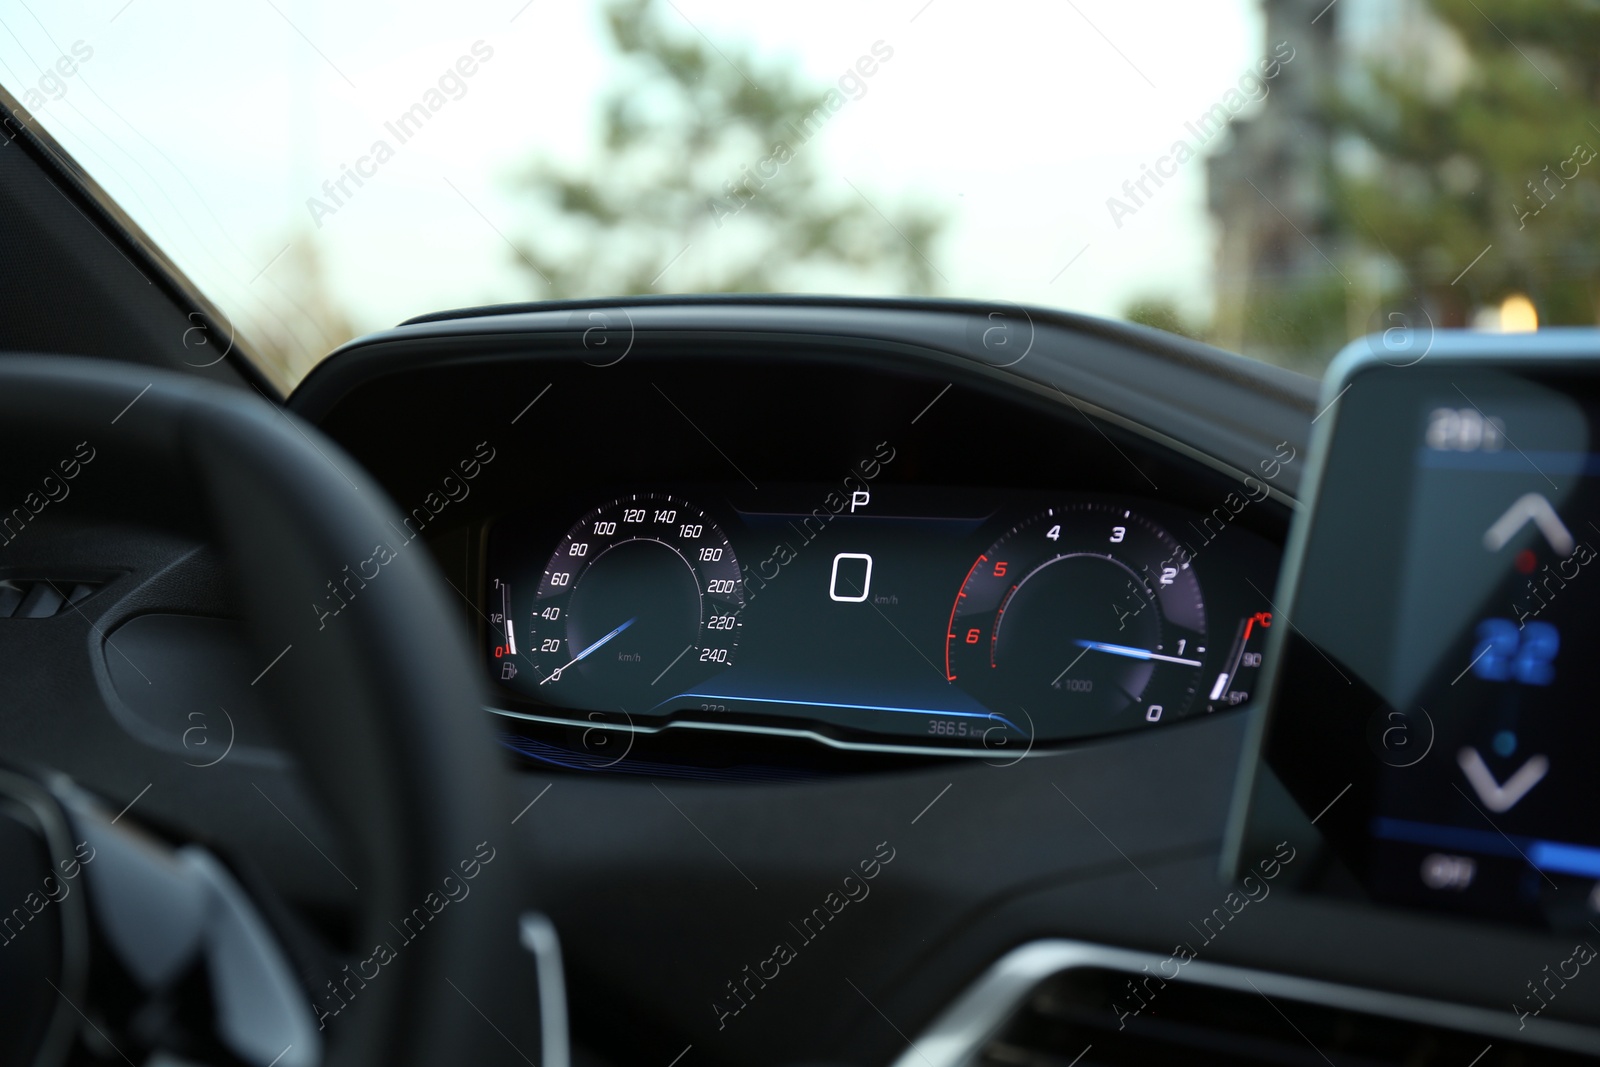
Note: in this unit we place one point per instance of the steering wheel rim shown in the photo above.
(378, 701)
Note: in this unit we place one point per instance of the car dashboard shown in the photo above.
(877, 674)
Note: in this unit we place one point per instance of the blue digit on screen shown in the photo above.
(1496, 649)
(1504, 653)
(1540, 640)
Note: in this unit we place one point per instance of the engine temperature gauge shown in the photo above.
(1233, 683)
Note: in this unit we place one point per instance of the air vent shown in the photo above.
(39, 599)
(1074, 1004)
(1077, 1013)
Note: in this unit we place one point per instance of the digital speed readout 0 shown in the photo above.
(896, 617)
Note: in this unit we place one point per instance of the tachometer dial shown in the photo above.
(1087, 616)
(640, 587)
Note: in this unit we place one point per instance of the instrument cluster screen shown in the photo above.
(887, 616)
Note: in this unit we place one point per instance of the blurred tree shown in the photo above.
(1160, 313)
(708, 178)
(1426, 164)
(1444, 159)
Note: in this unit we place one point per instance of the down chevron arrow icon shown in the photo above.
(1496, 797)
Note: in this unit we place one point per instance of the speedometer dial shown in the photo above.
(641, 587)
(1088, 616)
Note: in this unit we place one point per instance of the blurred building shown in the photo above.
(1269, 188)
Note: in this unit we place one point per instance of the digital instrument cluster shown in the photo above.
(878, 616)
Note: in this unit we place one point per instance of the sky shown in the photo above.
(213, 125)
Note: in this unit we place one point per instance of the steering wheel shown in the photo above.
(381, 713)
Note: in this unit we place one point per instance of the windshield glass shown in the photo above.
(1272, 177)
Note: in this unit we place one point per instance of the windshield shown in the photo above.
(1271, 177)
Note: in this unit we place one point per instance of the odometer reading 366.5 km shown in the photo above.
(640, 588)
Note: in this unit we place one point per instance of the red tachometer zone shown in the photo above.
(994, 635)
(950, 628)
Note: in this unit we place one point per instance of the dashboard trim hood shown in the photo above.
(1214, 406)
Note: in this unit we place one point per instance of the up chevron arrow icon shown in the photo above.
(1496, 797)
(1534, 508)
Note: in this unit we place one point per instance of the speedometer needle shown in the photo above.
(555, 675)
(1136, 653)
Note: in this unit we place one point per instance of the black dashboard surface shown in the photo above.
(670, 886)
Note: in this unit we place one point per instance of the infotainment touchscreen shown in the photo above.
(1434, 704)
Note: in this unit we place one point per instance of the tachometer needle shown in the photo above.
(555, 675)
(1136, 653)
